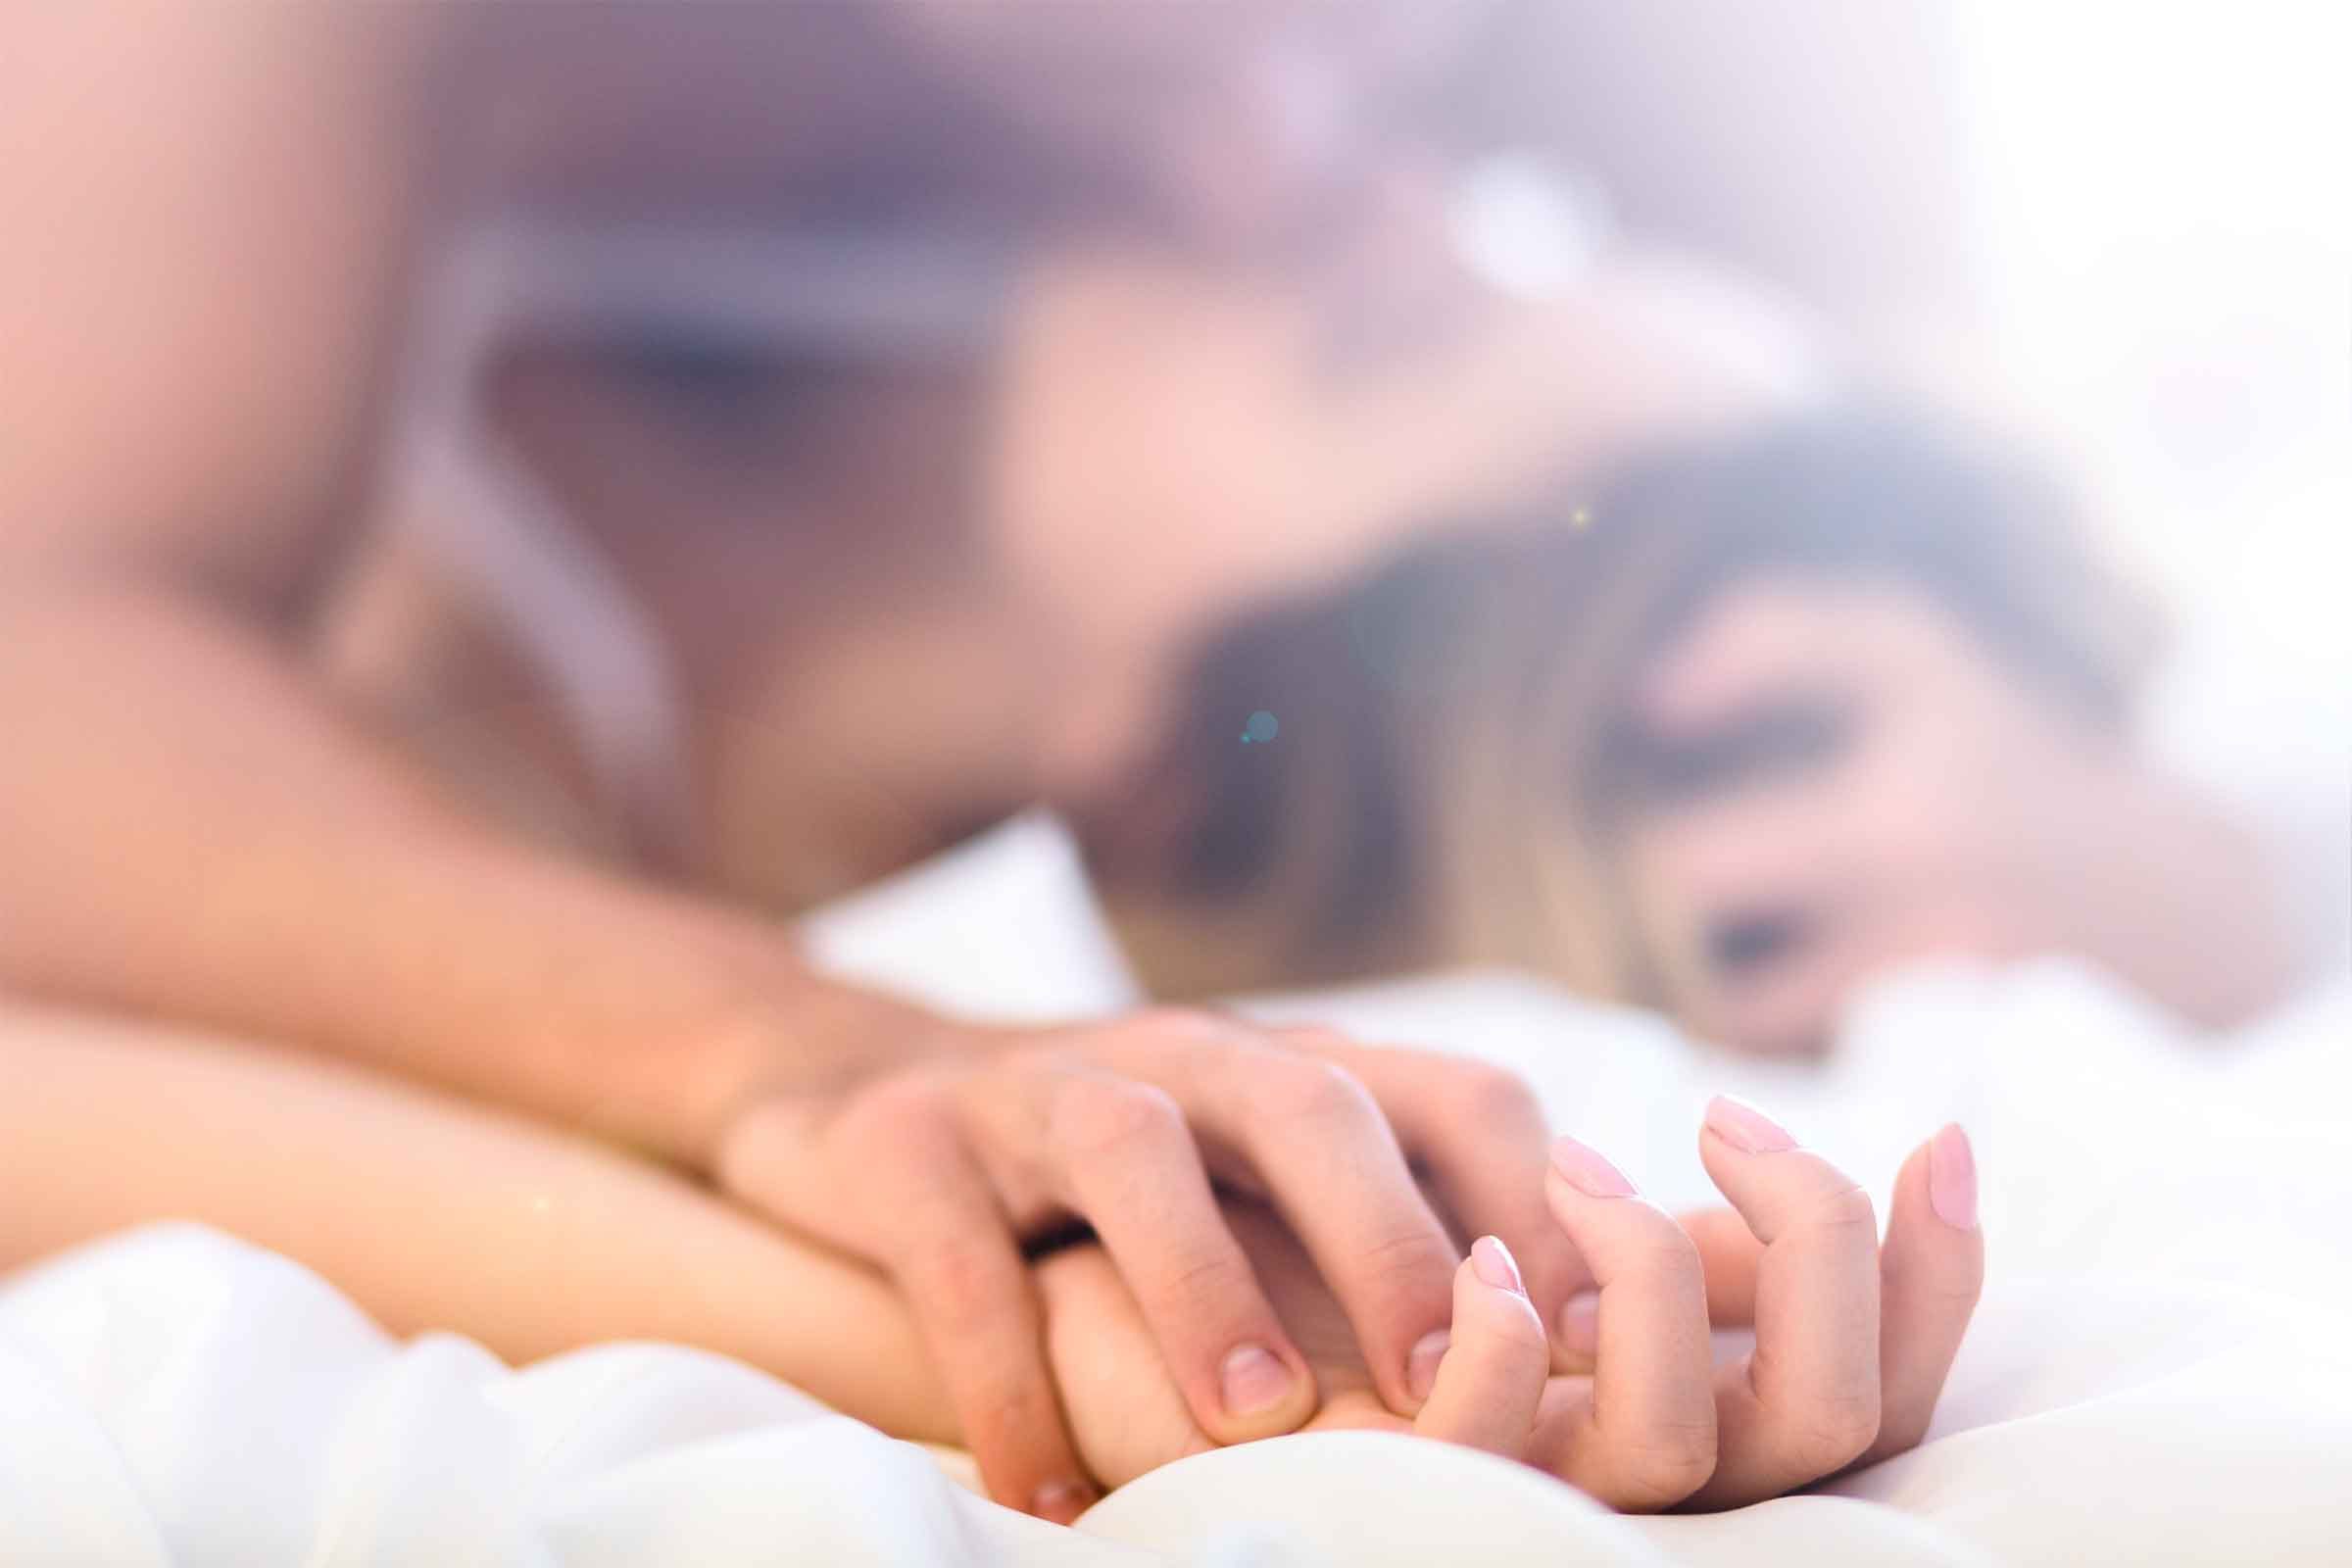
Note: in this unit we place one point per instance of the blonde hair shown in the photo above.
(1450, 767)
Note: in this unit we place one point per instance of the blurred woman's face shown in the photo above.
(1835, 777)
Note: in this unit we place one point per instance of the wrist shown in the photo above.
(672, 1011)
(783, 1029)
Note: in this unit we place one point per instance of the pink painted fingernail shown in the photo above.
(1746, 1128)
(1952, 1178)
(1580, 1322)
(1063, 1501)
(1253, 1378)
(1586, 1172)
(1492, 1261)
(1421, 1367)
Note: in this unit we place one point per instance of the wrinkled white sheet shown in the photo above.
(2162, 1370)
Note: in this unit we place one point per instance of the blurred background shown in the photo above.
(1714, 502)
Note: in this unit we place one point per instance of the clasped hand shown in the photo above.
(1269, 1222)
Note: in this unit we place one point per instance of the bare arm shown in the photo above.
(190, 831)
(211, 216)
(431, 1213)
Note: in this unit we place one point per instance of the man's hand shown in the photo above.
(940, 1171)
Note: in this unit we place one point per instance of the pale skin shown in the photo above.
(191, 828)
(1964, 812)
(435, 1213)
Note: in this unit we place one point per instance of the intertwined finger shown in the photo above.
(923, 1210)
(1645, 1437)
(1805, 1404)
(1480, 1133)
(1318, 1146)
(1492, 1380)
(1129, 1163)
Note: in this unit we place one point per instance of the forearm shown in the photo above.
(430, 1213)
(188, 830)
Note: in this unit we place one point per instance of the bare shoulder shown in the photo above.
(212, 213)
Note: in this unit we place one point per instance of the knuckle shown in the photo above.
(1059, 1052)
(1957, 1295)
(1666, 1256)
(1845, 1212)
(1522, 1331)
(1171, 1026)
(1835, 1432)
(966, 1281)
(1310, 1089)
(1310, 1039)
(1900, 1433)
(1200, 1282)
(1483, 1094)
(1093, 1116)
(910, 1108)
(1405, 1258)
(1666, 1465)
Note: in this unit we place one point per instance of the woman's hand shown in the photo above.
(1853, 1339)
(939, 1170)
(1952, 801)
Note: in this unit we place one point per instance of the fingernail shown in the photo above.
(1063, 1501)
(1580, 1322)
(1421, 1367)
(1746, 1128)
(1492, 1261)
(1952, 1178)
(1587, 1171)
(1254, 1379)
